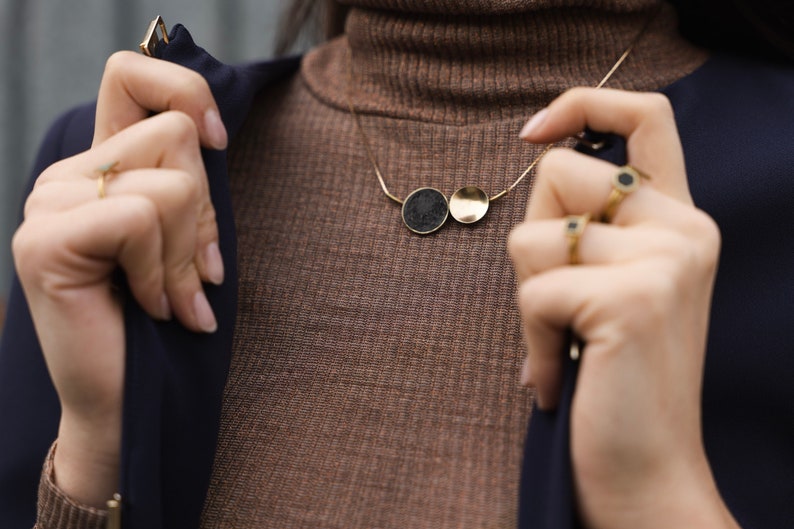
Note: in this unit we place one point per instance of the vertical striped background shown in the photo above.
(53, 55)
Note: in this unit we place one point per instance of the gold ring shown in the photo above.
(574, 227)
(104, 171)
(625, 181)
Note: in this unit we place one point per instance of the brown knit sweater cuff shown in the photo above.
(57, 511)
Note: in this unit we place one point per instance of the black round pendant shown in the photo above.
(425, 210)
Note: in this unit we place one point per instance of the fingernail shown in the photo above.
(525, 373)
(205, 319)
(214, 263)
(165, 307)
(216, 131)
(533, 124)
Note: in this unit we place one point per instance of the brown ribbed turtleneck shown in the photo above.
(375, 376)
(493, 60)
(374, 382)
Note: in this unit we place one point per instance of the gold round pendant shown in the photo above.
(468, 204)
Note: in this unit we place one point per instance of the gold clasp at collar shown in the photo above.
(150, 40)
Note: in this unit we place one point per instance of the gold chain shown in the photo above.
(373, 160)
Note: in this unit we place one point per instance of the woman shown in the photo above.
(371, 371)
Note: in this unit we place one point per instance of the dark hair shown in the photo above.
(747, 27)
(309, 21)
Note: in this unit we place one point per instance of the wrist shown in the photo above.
(86, 461)
(680, 494)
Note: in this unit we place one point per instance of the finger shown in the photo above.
(611, 308)
(572, 183)
(175, 198)
(142, 219)
(167, 141)
(134, 86)
(174, 194)
(646, 120)
(554, 306)
(89, 241)
(539, 246)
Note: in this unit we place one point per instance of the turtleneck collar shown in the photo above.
(467, 62)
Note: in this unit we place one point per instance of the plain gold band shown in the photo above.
(100, 186)
(104, 171)
(616, 196)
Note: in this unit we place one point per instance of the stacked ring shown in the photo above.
(574, 227)
(625, 181)
(104, 171)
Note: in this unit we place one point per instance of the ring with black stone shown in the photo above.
(425, 210)
(625, 181)
(574, 227)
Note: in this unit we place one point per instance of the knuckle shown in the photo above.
(192, 87)
(179, 126)
(659, 105)
(700, 248)
(20, 244)
(522, 244)
(29, 249)
(35, 202)
(531, 296)
(189, 185)
(208, 221)
(576, 93)
(141, 216)
(51, 173)
(186, 190)
(38, 202)
(649, 300)
(553, 162)
(708, 231)
(116, 63)
(41, 197)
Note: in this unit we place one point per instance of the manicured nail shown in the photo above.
(533, 124)
(165, 307)
(216, 131)
(205, 319)
(525, 374)
(214, 263)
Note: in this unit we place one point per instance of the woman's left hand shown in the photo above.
(639, 299)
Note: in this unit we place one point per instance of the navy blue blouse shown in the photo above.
(736, 120)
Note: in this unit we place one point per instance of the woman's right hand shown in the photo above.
(156, 223)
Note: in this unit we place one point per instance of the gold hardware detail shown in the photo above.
(150, 41)
(114, 512)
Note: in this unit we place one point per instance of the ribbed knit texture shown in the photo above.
(56, 511)
(374, 382)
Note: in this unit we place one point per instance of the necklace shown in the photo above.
(426, 209)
